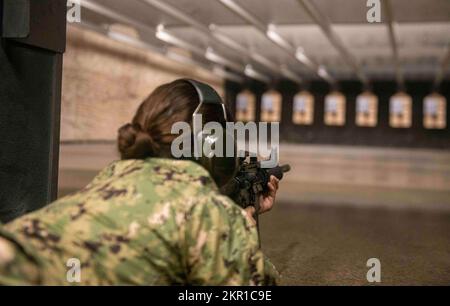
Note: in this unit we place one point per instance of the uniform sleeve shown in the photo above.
(221, 246)
(105, 173)
(17, 265)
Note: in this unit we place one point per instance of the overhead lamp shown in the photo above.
(289, 74)
(165, 36)
(273, 35)
(252, 73)
(246, 15)
(323, 73)
(214, 57)
(161, 34)
(301, 56)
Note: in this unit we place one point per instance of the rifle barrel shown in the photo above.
(285, 168)
(279, 171)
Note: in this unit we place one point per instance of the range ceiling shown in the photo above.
(421, 27)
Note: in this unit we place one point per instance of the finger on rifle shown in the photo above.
(272, 187)
(275, 181)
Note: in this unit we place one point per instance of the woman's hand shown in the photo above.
(266, 201)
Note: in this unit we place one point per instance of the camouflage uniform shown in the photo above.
(153, 222)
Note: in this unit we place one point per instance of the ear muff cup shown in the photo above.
(221, 167)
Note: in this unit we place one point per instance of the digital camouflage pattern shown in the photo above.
(145, 222)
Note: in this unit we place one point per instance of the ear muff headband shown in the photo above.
(207, 95)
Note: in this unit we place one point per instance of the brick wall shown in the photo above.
(104, 81)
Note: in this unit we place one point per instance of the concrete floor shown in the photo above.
(323, 245)
(338, 208)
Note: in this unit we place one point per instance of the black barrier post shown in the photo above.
(31, 52)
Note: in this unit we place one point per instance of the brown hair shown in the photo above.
(149, 133)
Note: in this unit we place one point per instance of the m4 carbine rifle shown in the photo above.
(251, 181)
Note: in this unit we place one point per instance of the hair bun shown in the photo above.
(134, 143)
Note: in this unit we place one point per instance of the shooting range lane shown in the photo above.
(325, 245)
(323, 231)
